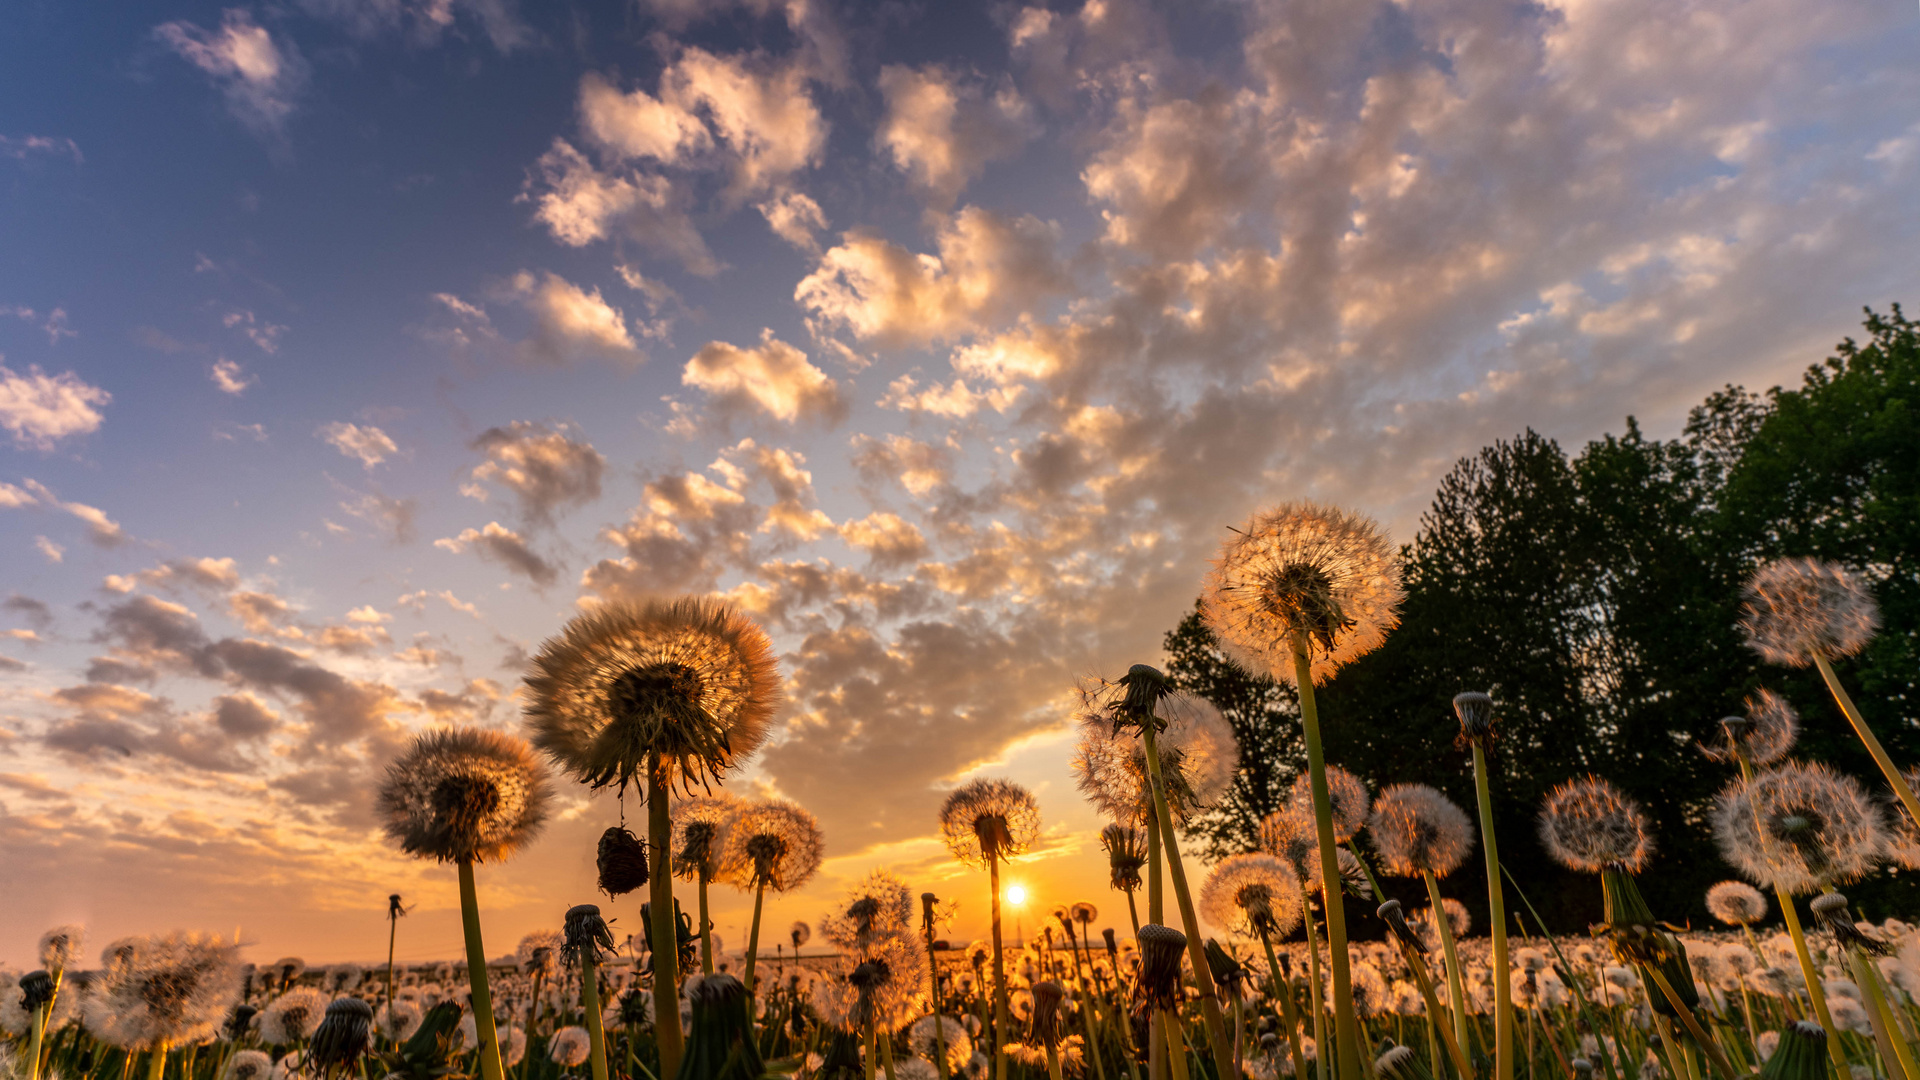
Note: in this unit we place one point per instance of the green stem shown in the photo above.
(933, 989)
(1346, 1034)
(1002, 1023)
(590, 1003)
(1502, 970)
(1880, 758)
(1321, 1063)
(753, 934)
(1815, 993)
(393, 930)
(157, 1061)
(1893, 1046)
(706, 936)
(665, 944)
(39, 1037)
(1707, 1045)
(481, 995)
(1281, 987)
(1456, 987)
(1196, 947)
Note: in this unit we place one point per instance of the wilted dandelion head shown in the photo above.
(878, 906)
(699, 828)
(1798, 828)
(690, 680)
(1198, 756)
(464, 794)
(1347, 796)
(1736, 903)
(172, 989)
(1762, 735)
(60, 947)
(1418, 830)
(1796, 609)
(1252, 895)
(1126, 854)
(1307, 569)
(773, 844)
(987, 819)
(1588, 825)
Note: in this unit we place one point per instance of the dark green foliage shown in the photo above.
(1596, 598)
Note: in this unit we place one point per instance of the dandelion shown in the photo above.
(1798, 828)
(1418, 832)
(248, 1065)
(675, 691)
(699, 831)
(879, 906)
(1126, 854)
(1474, 710)
(800, 933)
(871, 992)
(341, 1039)
(1761, 736)
(1198, 756)
(770, 844)
(1588, 825)
(929, 1033)
(398, 1020)
(1253, 895)
(721, 1043)
(60, 946)
(587, 940)
(1348, 798)
(164, 992)
(983, 822)
(293, 1017)
(463, 795)
(569, 1047)
(1300, 591)
(1736, 903)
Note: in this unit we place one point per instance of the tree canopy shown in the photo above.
(1595, 596)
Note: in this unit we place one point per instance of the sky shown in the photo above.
(350, 347)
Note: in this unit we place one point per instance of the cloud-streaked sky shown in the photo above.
(348, 346)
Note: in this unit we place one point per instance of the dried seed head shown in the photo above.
(622, 861)
(342, 1038)
(1347, 797)
(1736, 903)
(1307, 569)
(771, 843)
(879, 906)
(699, 828)
(588, 937)
(1198, 756)
(1798, 828)
(1588, 825)
(1416, 830)
(1252, 895)
(987, 819)
(1474, 710)
(464, 794)
(1763, 735)
(1126, 854)
(1158, 981)
(1796, 609)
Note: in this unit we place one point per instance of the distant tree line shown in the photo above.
(1596, 597)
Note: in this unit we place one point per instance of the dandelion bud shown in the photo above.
(1801, 1055)
(1396, 921)
(1048, 1026)
(588, 936)
(36, 990)
(1582, 1069)
(1227, 971)
(1113, 949)
(343, 1036)
(1401, 1063)
(1832, 911)
(1475, 711)
(1161, 950)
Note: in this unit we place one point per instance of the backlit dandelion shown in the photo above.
(984, 822)
(1253, 895)
(925, 1041)
(1350, 801)
(1798, 828)
(1588, 825)
(60, 947)
(1762, 735)
(170, 991)
(293, 1017)
(699, 833)
(1416, 830)
(248, 1065)
(1794, 610)
(878, 906)
(770, 844)
(1736, 903)
(1197, 751)
(877, 989)
(569, 1047)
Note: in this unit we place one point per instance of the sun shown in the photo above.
(1016, 895)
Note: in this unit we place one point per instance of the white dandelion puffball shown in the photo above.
(1588, 825)
(1796, 609)
(569, 1047)
(1798, 828)
(1346, 796)
(1417, 830)
(1737, 903)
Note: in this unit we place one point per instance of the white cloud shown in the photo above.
(773, 377)
(259, 331)
(53, 552)
(637, 124)
(230, 377)
(546, 470)
(763, 114)
(887, 539)
(500, 544)
(580, 204)
(101, 529)
(41, 409)
(794, 217)
(20, 147)
(369, 444)
(571, 322)
(941, 129)
(258, 76)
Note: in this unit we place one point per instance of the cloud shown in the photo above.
(369, 444)
(259, 76)
(101, 529)
(55, 324)
(20, 147)
(637, 124)
(544, 469)
(571, 322)
(772, 377)
(580, 204)
(989, 268)
(426, 22)
(392, 516)
(497, 543)
(887, 539)
(41, 409)
(230, 377)
(53, 552)
(795, 218)
(941, 129)
(762, 113)
(244, 716)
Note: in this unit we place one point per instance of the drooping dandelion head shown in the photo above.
(1252, 895)
(1303, 569)
(60, 947)
(1347, 798)
(690, 680)
(1589, 825)
(1798, 828)
(987, 819)
(174, 989)
(464, 794)
(1198, 756)
(1795, 609)
(1126, 853)
(772, 844)
(1417, 830)
(878, 906)
(1763, 734)
(1736, 903)
(699, 830)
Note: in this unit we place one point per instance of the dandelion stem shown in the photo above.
(1812, 976)
(665, 943)
(1456, 992)
(706, 936)
(1880, 758)
(1281, 987)
(482, 996)
(1345, 1033)
(753, 934)
(39, 1037)
(590, 1004)
(1497, 916)
(1002, 1023)
(1196, 946)
(1706, 1044)
(1321, 1066)
(157, 1061)
(1893, 1048)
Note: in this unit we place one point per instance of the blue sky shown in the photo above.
(350, 346)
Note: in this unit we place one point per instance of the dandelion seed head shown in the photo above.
(1588, 825)
(959, 1043)
(463, 794)
(172, 989)
(1346, 795)
(1416, 830)
(1796, 609)
(569, 1047)
(1763, 734)
(1736, 903)
(800, 933)
(248, 1065)
(771, 843)
(989, 818)
(538, 953)
(882, 983)
(1459, 921)
(293, 1017)
(1198, 756)
(1306, 568)
(60, 947)
(878, 906)
(1126, 853)
(1252, 895)
(691, 680)
(699, 832)
(1798, 828)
